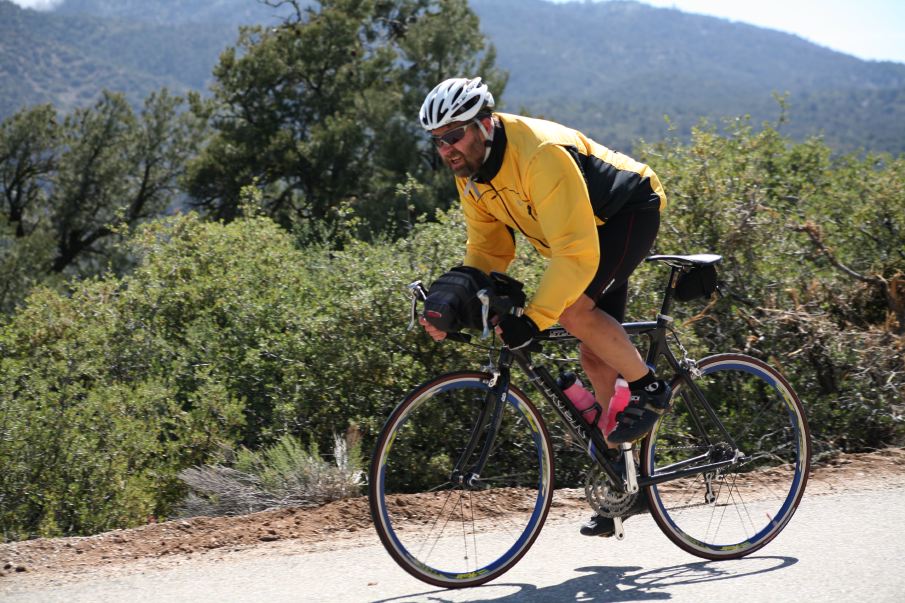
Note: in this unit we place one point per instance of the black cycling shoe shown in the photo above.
(599, 525)
(644, 408)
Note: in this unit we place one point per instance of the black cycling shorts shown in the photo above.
(625, 240)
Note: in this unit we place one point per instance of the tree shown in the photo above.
(117, 169)
(28, 151)
(320, 113)
(69, 189)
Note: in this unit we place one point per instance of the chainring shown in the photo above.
(605, 500)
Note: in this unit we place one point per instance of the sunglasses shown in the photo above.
(451, 137)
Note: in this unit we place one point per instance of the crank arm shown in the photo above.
(631, 475)
(619, 530)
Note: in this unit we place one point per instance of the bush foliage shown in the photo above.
(814, 251)
(224, 334)
(231, 335)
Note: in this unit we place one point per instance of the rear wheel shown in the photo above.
(436, 525)
(734, 510)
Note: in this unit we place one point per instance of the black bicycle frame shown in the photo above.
(592, 440)
(490, 418)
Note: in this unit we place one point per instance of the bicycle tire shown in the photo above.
(447, 534)
(739, 509)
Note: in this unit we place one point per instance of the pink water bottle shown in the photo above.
(617, 404)
(583, 400)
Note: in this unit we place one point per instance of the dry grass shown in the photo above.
(284, 475)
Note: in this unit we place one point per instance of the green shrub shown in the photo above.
(230, 335)
(83, 449)
(223, 335)
(814, 249)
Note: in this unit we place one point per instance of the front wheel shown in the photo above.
(757, 444)
(436, 523)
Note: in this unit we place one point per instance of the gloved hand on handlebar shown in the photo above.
(517, 331)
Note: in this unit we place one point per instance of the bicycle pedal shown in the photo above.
(619, 532)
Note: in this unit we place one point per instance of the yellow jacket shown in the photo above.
(555, 186)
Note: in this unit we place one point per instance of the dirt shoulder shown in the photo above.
(335, 525)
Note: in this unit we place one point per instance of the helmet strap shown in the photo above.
(488, 138)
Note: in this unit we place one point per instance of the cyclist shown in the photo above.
(592, 211)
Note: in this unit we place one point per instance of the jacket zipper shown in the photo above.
(511, 217)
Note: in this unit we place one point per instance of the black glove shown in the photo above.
(517, 331)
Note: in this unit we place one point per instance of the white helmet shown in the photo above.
(455, 99)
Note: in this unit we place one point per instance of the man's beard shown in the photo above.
(462, 168)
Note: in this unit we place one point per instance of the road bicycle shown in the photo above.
(462, 473)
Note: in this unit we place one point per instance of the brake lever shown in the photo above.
(416, 292)
(500, 305)
(484, 296)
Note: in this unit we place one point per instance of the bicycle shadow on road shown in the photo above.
(611, 583)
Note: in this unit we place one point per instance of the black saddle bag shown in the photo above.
(699, 282)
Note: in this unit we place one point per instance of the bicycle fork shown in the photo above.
(486, 427)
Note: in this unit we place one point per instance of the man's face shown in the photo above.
(465, 156)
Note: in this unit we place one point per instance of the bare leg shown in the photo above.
(601, 374)
(602, 335)
(606, 351)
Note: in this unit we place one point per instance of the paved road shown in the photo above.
(844, 547)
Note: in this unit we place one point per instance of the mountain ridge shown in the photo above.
(702, 66)
(613, 69)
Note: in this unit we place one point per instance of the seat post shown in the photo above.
(669, 291)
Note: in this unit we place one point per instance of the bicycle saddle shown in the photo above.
(698, 259)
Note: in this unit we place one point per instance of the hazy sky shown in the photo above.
(37, 4)
(867, 29)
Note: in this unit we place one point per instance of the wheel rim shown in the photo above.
(747, 504)
(447, 534)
